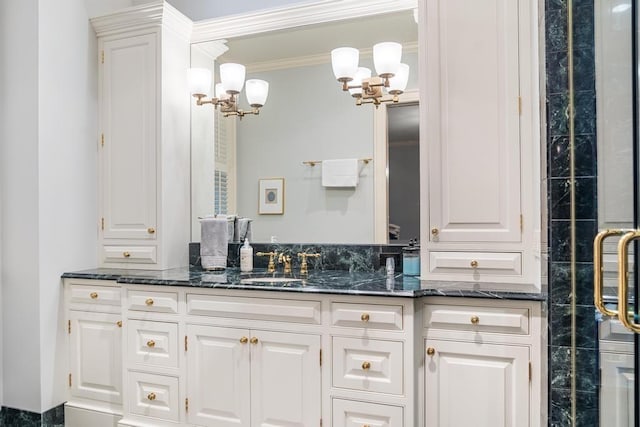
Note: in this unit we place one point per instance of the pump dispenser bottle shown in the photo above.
(246, 257)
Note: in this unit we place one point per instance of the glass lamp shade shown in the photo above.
(221, 93)
(344, 61)
(386, 58)
(232, 76)
(199, 80)
(257, 91)
(361, 74)
(398, 83)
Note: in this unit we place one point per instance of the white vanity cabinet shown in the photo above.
(94, 327)
(480, 203)
(483, 363)
(143, 141)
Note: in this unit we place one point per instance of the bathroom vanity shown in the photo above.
(188, 347)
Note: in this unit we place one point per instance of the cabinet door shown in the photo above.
(480, 385)
(616, 390)
(285, 380)
(96, 356)
(218, 376)
(128, 112)
(473, 130)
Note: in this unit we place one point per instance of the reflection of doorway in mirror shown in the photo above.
(397, 171)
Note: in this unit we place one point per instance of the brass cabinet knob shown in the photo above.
(244, 340)
(364, 317)
(254, 340)
(93, 295)
(151, 396)
(431, 351)
(119, 323)
(434, 232)
(149, 301)
(151, 230)
(126, 254)
(366, 366)
(474, 264)
(475, 320)
(151, 343)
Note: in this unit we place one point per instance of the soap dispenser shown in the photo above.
(246, 257)
(411, 259)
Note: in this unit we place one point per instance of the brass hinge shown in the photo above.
(519, 105)
(186, 346)
(102, 139)
(69, 326)
(102, 57)
(69, 380)
(186, 405)
(102, 223)
(521, 223)
(530, 371)
(320, 357)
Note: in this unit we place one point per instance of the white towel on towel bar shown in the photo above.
(340, 173)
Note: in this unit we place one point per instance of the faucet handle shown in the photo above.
(271, 268)
(304, 267)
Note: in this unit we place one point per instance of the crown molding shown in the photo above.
(294, 16)
(152, 15)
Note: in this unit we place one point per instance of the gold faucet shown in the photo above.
(286, 259)
(271, 268)
(304, 268)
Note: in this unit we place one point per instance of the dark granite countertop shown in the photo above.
(326, 282)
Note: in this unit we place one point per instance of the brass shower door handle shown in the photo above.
(626, 317)
(598, 273)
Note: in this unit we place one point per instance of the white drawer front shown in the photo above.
(251, 308)
(479, 319)
(349, 413)
(134, 254)
(368, 365)
(369, 316)
(154, 396)
(153, 343)
(493, 263)
(82, 296)
(163, 302)
(613, 330)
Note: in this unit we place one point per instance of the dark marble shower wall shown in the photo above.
(558, 173)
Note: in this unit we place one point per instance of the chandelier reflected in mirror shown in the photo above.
(390, 82)
(227, 92)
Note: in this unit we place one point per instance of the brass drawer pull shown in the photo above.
(151, 396)
(126, 254)
(151, 343)
(434, 232)
(475, 320)
(431, 351)
(149, 301)
(244, 340)
(366, 366)
(119, 323)
(151, 230)
(93, 295)
(474, 264)
(254, 340)
(364, 317)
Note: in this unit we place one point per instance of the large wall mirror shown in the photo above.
(307, 117)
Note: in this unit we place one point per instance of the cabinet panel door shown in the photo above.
(285, 380)
(474, 123)
(616, 389)
(128, 122)
(490, 382)
(96, 356)
(218, 376)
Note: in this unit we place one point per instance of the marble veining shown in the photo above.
(317, 281)
(10, 417)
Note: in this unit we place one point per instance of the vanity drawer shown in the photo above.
(134, 254)
(350, 413)
(155, 396)
(251, 308)
(162, 302)
(493, 263)
(369, 316)
(152, 343)
(477, 318)
(368, 365)
(90, 296)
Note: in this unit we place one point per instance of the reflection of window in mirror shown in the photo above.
(403, 165)
(225, 164)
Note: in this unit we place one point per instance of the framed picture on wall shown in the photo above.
(271, 196)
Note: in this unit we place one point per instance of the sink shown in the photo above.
(269, 280)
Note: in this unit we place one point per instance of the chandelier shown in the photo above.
(390, 82)
(226, 93)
